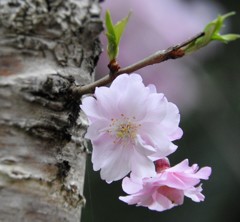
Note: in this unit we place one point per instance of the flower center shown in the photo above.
(124, 129)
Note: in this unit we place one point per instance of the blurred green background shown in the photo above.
(211, 137)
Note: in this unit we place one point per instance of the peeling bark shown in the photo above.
(46, 48)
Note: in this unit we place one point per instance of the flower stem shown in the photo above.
(173, 52)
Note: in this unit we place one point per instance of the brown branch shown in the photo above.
(158, 57)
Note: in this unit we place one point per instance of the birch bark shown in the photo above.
(46, 48)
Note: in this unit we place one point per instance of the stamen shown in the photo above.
(123, 129)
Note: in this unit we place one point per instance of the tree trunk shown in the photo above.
(46, 48)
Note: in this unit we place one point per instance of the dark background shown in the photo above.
(211, 137)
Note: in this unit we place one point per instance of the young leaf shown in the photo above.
(120, 27)
(211, 33)
(109, 23)
(114, 34)
(112, 46)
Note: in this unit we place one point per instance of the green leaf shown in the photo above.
(114, 34)
(211, 33)
(111, 47)
(120, 27)
(226, 38)
(109, 23)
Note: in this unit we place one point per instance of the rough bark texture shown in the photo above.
(46, 48)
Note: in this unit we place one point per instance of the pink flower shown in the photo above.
(168, 187)
(130, 126)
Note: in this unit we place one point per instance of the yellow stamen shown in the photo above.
(124, 129)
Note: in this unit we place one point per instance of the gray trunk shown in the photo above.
(46, 48)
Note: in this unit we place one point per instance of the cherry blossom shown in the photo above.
(168, 187)
(130, 126)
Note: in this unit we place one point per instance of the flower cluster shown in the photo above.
(132, 129)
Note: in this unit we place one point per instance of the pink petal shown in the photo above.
(152, 88)
(160, 203)
(103, 148)
(163, 150)
(141, 165)
(174, 181)
(121, 81)
(154, 136)
(156, 106)
(117, 165)
(144, 148)
(131, 199)
(107, 100)
(171, 121)
(195, 194)
(204, 173)
(96, 129)
(145, 198)
(178, 133)
(130, 186)
(180, 167)
(128, 103)
(176, 196)
(91, 108)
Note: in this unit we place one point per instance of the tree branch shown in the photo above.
(158, 57)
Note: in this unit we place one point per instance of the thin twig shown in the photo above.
(158, 57)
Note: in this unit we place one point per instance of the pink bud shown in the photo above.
(162, 164)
